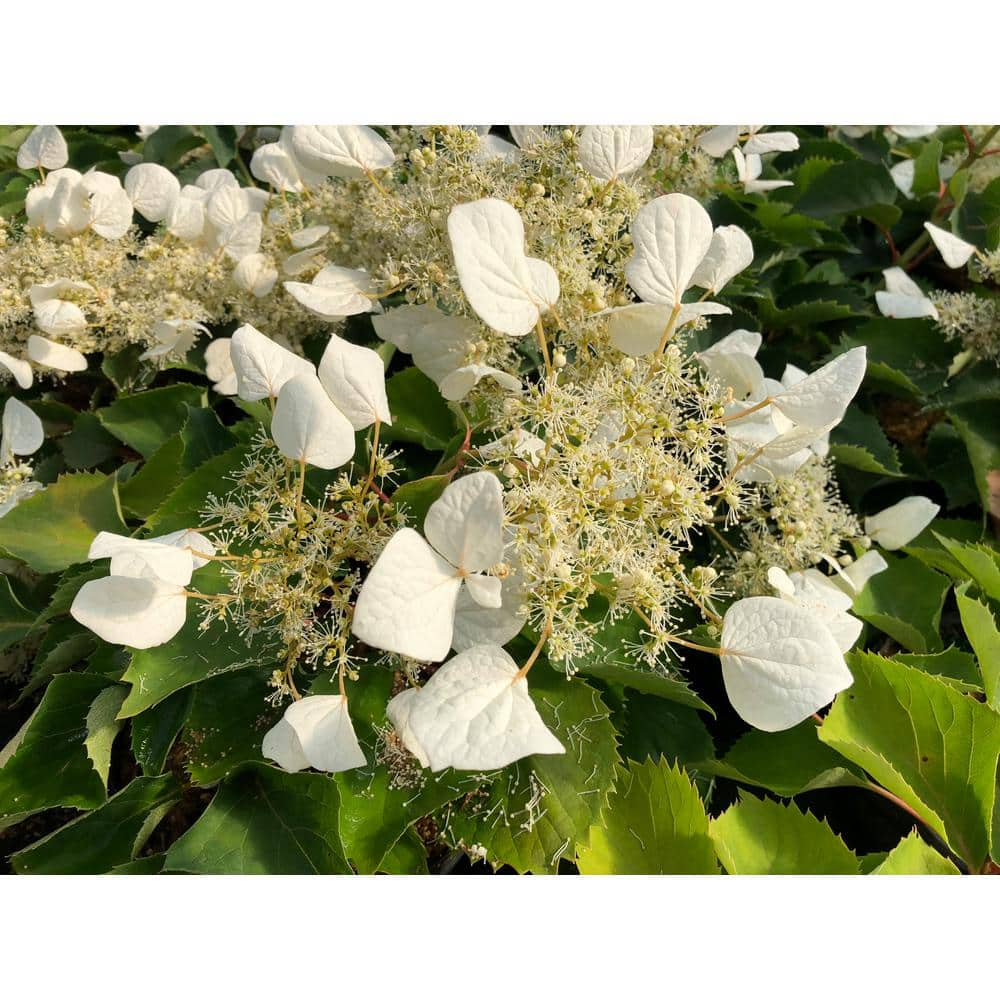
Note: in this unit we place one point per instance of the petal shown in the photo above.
(23, 433)
(44, 147)
(52, 355)
(487, 242)
(152, 189)
(354, 378)
(779, 662)
(459, 383)
(730, 252)
(189, 540)
(465, 524)
(822, 398)
(771, 142)
(396, 326)
(398, 713)
(262, 366)
(256, 274)
(484, 590)
(476, 714)
(272, 164)
(443, 344)
(281, 745)
(719, 140)
(609, 151)
(143, 557)
(242, 238)
(476, 624)
(407, 602)
(308, 427)
(140, 613)
(335, 292)
(955, 252)
(896, 306)
(670, 235)
(859, 572)
(59, 317)
(899, 524)
(20, 370)
(341, 150)
(637, 329)
(325, 733)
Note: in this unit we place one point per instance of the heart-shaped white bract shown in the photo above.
(637, 329)
(19, 369)
(899, 524)
(308, 427)
(58, 356)
(256, 274)
(748, 170)
(273, 164)
(730, 252)
(152, 189)
(140, 612)
(770, 142)
(460, 382)
(853, 577)
(528, 136)
(903, 175)
(44, 147)
(167, 557)
(22, 432)
(954, 251)
(197, 544)
(407, 602)
(242, 238)
(821, 399)
(903, 298)
(508, 290)
(476, 623)
(610, 151)
(792, 375)
(812, 590)
(780, 663)
(397, 326)
(335, 292)
(474, 714)
(354, 378)
(174, 336)
(219, 367)
(110, 207)
(719, 140)
(315, 731)
(185, 218)
(262, 367)
(732, 360)
(670, 237)
(341, 150)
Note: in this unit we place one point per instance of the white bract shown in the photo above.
(262, 367)
(69, 202)
(903, 298)
(335, 292)
(19, 369)
(813, 590)
(671, 236)
(732, 360)
(954, 251)
(256, 274)
(611, 151)
(49, 354)
(174, 336)
(792, 375)
(219, 367)
(22, 432)
(44, 147)
(730, 252)
(899, 524)
(853, 577)
(152, 189)
(308, 427)
(749, 167)
(821, 399)
(340, 150)
(780, 662)
(315, 731)
(407, 603)
(474, 714)
(354, 378)
(508, 290)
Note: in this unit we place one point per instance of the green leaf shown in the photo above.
(925, 168)
(263, 821)
(146, 419)
(407, 857)
(977, 425)
(655, 824)
(786, 763)
(933, 747)
(984, 636)
(54, 528)
(538, 810)
(849, 187)
(150, 864)
(88, 444)
(905, 601)
(654, 727)
(228, 719)
(161, 473)
(981, 562)
(222, 139)
(107, 837)
(154, 731)
(419, 411)
(763, 837)
(102, 727)
(859, 441)
(948, 464)
(193, 654)
(181, 509)
(15, 619)
(905, 354)
(953, 665)
(47, 763)
(914, 856)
